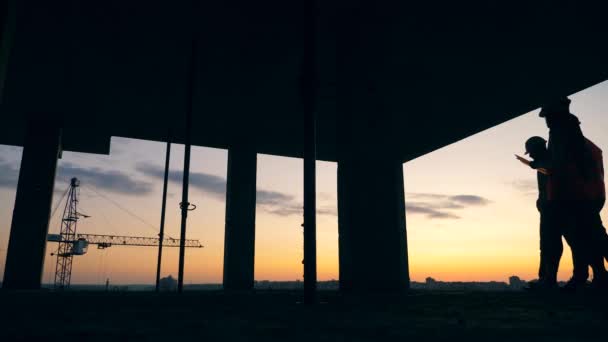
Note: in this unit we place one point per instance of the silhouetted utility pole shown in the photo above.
(185, 205)
(161, 234)
(308, 88)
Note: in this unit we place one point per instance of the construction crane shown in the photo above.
(72, 243)
(105, 241)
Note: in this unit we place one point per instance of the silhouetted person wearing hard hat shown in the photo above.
(574, 187)
(551, 247)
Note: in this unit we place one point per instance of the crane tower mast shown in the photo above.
(65, 251)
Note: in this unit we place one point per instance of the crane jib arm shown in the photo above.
(104, 241)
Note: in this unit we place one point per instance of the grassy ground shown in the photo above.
(277, 316)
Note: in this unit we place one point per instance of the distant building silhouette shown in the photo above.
(515, 283)
(293, 285)
(168, 284)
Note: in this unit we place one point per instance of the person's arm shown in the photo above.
(542, 166)
(527, 162)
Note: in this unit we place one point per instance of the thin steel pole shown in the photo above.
(308, 98)
(188, 145)
(161, 234)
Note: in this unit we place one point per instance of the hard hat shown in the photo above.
(534, 143)
(561, 106)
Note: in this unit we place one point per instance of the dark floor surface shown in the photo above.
(277, 316)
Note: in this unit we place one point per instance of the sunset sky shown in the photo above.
(471, 211)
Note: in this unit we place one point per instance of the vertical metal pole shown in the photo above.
(161, 234)
(185, 204)
(308, 98)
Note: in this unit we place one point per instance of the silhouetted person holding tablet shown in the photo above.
(551, 247)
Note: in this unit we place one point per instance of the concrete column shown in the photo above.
(29, 228)
(372, 234)
(371, 204)
(239, 240)
(371, 218)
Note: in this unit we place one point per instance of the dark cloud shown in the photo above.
(212, 185)
(273, 202)
(471, 200)
(440, 206)
(297, 209)
(9, 174)
(417, 208)
(327, 210)
(273, 197)
(108, 180)
(277, 203)
(283, 210)
(433, 206)
(426, 196)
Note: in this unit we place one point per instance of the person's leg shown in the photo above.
(599, 229)
(586, 244)
(580, 272)
(596, 259)
(597, 241)
(604, 240)
(543, 251)
(551, 247)
(573, 232)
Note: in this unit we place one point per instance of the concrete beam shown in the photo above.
(239, 243)
(29, 228)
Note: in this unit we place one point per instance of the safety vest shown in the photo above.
(571, 182)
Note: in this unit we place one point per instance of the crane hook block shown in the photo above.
(189, 206)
